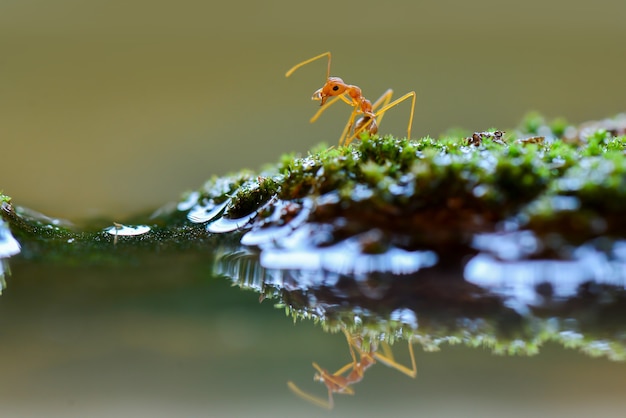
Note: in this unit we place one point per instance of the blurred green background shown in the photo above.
(112, 107)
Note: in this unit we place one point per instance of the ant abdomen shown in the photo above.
(366, 123)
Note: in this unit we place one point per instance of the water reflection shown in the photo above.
(509, 291)
(533, 281)
(345, 257)
(499, 298)
(511, 304)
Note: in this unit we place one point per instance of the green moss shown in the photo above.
(427, 193)
(532, 122)
(251, 195)
(219, 189)
(596, 143)
(559, 126)
(460, 184)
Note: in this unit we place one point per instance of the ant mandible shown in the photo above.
(339, 383)
(369, 118)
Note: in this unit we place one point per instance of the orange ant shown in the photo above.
(351, 95)
(339, 383)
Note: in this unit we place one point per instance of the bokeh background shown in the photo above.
(109, 108)
(112, 107)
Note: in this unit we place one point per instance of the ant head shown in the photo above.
(318, 378)
(334, 87)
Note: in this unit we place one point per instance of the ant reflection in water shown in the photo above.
(369, 119)
(351, 373)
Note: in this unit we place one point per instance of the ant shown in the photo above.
(339, 383)
(369, 118)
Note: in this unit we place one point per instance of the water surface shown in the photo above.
(165, 337)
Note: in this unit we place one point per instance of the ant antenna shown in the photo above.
(305, 62)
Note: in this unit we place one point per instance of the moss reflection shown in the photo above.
(510, 308)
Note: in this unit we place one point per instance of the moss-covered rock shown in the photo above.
(463, 238)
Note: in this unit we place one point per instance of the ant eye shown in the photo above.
(335, 88)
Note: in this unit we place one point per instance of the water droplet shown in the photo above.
(204, 213)
(8, 245)
(127, 231)
(276, 230)
(224, 224)
(189, 202)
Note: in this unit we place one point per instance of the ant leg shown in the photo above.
(305, 62)
(387, 359)
(387, 351)
(345, 139)
(334, 383)
(322, 109)
(351, 346)
(343, 369)
(334, 380)
(351, 343)
(355, 135)
(328, 404)
(395, 103)
(384, 99)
